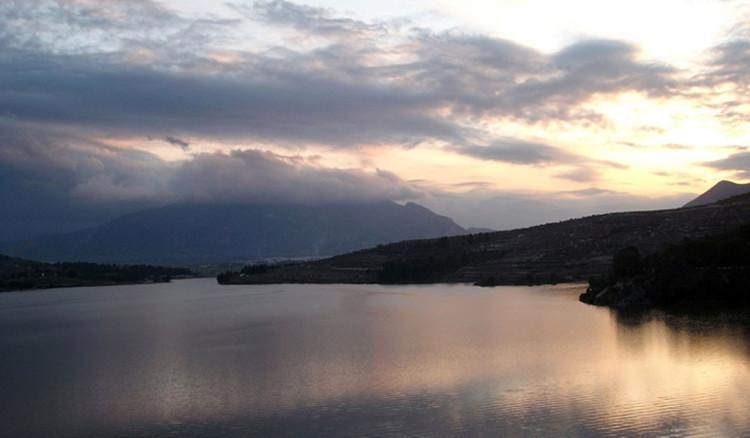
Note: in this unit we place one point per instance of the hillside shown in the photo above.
(573, 250)
(189, 234)
(719, 192)
(20, 274)
(708, 271)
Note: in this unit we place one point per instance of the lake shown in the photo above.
(192, 358)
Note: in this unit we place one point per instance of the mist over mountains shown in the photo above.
(209, 233)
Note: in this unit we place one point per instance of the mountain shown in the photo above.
(722, 190)
(573, 250)
(190, 234)
(20, 274)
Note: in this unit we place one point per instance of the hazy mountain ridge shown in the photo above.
(186, 234)
(573, 250)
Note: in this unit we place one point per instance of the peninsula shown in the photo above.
(19, 274)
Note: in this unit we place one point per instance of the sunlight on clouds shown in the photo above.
(623, 96)
(665, 136)
(673, 30)
(680, 121)
(433, 164)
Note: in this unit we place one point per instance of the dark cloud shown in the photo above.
(472, 185)
(530, 153)
(267, 101)
(310, 20)
(76, 70)
(79, 182)
(581, 174)
(72, 164)
(182, 144)
(583, 70)
(731, 63)
(53, 181)
(344, 94)
(89, 26)
(729, 69)
(589, 192)
(517, 151)
(41, 169)
(258, 176)
(98, 172)
(739, 163)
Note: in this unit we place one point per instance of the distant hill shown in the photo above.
(721, 191)
(190, 234)
(477, 230)
(573, 250)
(20, 274)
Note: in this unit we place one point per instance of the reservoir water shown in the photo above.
(193, 358)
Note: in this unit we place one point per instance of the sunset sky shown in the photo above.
(496, 113)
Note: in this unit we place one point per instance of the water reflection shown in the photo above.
(197, 359)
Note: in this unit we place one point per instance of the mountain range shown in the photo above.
(190, 234)
(572, 250)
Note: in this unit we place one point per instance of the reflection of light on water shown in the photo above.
(531, 356)
(654, 375)
(464, 359)
(609, 374)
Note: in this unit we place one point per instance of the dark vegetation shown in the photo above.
(435, 260)
(568, 251)
(707, 271)
(225, 277)
(19, 274)
(425, 269)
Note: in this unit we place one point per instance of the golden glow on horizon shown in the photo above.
(663, 144)
(658, 145)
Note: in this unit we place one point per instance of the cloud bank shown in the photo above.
(75, 74)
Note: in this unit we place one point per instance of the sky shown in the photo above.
(497, 113)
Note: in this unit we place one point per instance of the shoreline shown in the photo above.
(95, 284)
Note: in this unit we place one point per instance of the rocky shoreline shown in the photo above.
(623, 295)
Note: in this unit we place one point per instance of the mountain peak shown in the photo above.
(722, 190)
(189, 234)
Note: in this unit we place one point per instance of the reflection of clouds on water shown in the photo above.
(194, 357)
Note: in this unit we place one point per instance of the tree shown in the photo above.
(627, 263)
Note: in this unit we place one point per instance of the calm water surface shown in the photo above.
(193, 358)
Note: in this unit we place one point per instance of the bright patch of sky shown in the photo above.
(675, 31)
